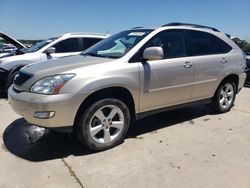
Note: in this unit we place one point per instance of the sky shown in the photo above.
(40, 19)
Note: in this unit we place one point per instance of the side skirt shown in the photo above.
(152, 112)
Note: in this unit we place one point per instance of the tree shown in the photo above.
(246, 46)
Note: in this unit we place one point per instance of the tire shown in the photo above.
(99, 129)
(224, 97)
(10, 78)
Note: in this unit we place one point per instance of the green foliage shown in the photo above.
(246, 46)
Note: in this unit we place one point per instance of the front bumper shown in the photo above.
(65, 107)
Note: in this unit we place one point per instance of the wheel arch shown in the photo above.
(233, 77)
(117, 92)
(10, 72)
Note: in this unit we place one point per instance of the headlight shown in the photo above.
(51, 85)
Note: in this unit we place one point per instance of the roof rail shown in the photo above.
(137, 27)
(188, 24)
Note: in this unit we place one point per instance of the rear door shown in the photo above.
(209, 57)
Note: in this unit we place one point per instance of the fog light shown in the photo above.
(44, 115)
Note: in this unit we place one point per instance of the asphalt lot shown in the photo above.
(190, 147)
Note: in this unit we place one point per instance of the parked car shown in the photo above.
(10, 46)
(128, 76)
(7, 48)
(247, 82)
(52, 48)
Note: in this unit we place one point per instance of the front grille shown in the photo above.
(21, 77)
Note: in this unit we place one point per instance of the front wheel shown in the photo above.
(224, 97)
(104, 124)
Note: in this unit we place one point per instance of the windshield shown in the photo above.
(117, 45)
(39, 45)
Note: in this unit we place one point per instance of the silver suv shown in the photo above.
(127, 76)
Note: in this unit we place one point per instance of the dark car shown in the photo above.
(247, 82)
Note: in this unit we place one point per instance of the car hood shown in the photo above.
(22, 59)
(13, 41)
(57, 66)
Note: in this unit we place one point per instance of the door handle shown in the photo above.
(187, 64)
(224, 60)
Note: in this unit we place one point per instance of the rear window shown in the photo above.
(221, 45)
(207, 44)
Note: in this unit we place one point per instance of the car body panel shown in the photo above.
(167, 80)
(27, 103)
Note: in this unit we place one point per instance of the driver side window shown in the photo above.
(68, 45)
(171, 41)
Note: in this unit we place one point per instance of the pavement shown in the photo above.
(184, 148)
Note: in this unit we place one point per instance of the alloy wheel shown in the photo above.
(106, 124)
(226, 96)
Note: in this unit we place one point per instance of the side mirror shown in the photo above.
(50, 50)
(153, 53)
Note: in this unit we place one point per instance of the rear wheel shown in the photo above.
(104, 124)
(224, 97)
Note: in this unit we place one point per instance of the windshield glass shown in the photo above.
(117, 45)
(39, 45)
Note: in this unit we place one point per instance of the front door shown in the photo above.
(67, 47)
(168, 81)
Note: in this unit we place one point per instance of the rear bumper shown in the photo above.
(242, 78)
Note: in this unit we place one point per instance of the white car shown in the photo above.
(60, 46)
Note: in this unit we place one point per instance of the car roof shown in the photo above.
(85, 34)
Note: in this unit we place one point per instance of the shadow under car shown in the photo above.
(39, 144)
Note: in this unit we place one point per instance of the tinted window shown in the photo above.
(68, 45)
(172, 43)
(87, 42)
(206, 44)
(221, 46)
(202, 43)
